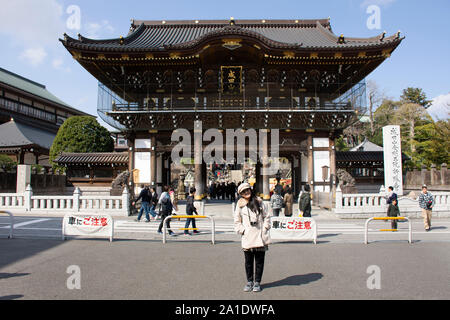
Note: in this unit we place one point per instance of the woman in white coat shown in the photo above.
(252, 222)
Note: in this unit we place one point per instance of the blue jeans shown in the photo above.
(152, 210)
(188, 222)
(145, 206)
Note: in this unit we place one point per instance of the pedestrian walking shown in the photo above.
(144, 196)
(288, 202)
(426, 203)
(276, 202)
(304, 204)
(393, 211)
(174, 199)
(252, 222)
(153, 202)
(190, 210)
(165, 209)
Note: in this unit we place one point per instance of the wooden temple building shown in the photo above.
(296, 76)
(30, 117)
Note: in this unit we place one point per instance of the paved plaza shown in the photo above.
(36, 263)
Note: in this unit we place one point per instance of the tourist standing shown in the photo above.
(304, 203)
(252, 222)
(426, 203)
(393, 211)
(276, 202)
(288, 202)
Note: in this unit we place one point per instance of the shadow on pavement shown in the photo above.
(11, 275)
(16, 249)
(296, 280)
(11, 297)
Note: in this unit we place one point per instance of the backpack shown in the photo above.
(166, 204)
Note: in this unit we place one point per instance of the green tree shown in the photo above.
(382, 116)
(408, 116)
(341, 145)
(81, 134)
(6, 163)
(415, 95)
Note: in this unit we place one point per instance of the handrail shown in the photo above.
(366, 238)
(11, 223)
(189, 217)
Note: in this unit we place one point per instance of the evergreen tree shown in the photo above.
(81, 134)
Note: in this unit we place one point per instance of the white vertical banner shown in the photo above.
(142, 160)
(392, 150)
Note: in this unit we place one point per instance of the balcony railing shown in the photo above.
(27, 110)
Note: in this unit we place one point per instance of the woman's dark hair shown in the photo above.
(166, 188)
(254, 204)
(307, 188)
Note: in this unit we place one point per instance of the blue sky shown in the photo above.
(30, 29)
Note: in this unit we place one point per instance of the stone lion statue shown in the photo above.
(120, 182)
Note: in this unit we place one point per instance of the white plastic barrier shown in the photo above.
(293, 228)
(11, 223)
(92, 225)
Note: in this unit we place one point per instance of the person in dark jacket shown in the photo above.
(190, 210)
(393, 211)
(305, 202)
(153, 202)
(165, 209)
(145, 205)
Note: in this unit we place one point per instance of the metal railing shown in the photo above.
(189, 217)
(11, 223)
(366, 237)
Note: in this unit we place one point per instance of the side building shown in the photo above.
(30, 117)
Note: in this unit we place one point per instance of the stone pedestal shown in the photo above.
(23, 177)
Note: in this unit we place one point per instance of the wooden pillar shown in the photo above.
(131, 140)
(333, 167)
(169, 171)
(310, 162)
(159, 171)
(165, 169)
(153, 166)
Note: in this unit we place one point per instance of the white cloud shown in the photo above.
(97, 30)
(32, 22)
(58, 64)
(34, 56)
(440, 107)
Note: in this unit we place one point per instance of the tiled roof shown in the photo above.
(362, 156)
(295, 34)
(15, 134)
(93, 158)
(14, 80)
